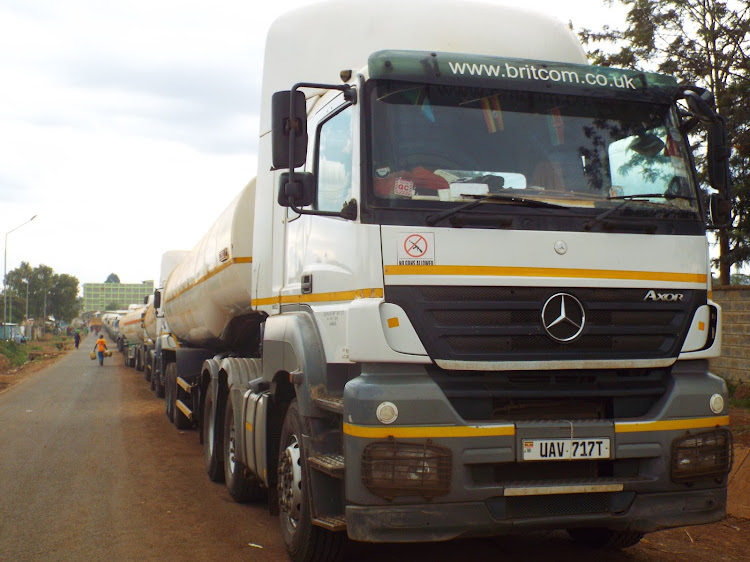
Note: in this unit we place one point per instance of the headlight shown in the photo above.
(393, 468)
(702, 455)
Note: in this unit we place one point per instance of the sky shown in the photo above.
(127, 127)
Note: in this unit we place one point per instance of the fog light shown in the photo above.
(716, 403)
(387, 412)
(702, 455)
(393, 468)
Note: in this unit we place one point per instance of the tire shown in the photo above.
(605, 539)
(241, 488)
(181, 421)
(147, 368)
(304, 541)
(125, 358)
(212, 436)
(138, 359)
(170, 381)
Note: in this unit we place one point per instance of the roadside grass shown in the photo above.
(19, 353)
(739, 397)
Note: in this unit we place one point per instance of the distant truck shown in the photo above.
(131, 335)
(468, 292)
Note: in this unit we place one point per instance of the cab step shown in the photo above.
(330, 403)
(330, 522)
(332, 465)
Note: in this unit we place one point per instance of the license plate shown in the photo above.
(565, 449)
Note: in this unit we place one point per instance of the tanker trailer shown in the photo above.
(206, 303)
(131, 334)
(155, 325)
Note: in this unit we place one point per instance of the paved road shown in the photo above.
(90, 469)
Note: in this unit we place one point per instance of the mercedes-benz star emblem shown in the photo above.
(563, 317)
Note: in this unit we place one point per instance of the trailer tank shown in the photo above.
(130, 325)
(203, 294)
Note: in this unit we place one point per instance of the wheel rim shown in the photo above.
(290, 483)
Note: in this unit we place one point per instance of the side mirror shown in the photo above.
(718, 155)
(157, 300)
(299, 193)
(720, 210)
(288, 129)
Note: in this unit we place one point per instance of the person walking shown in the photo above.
(77, 339)
(100, 347)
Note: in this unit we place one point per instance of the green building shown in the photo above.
(97, 296)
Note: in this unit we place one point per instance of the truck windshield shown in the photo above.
(438, 145)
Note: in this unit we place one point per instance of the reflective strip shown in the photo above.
(479, 270)
(248, 426)
(340, 296)
(550, 490)
(184, 409)
(427, 432)
(183, 384)
(210, 274)
(670, 425)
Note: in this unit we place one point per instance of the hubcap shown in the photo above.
(290, 482)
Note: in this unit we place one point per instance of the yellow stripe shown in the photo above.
(340, 296)
(428, 432)
(248, 426)
(670, 425)
(478, 270)
(210, 274)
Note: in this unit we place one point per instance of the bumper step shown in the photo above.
(330, 522)
(333, 465)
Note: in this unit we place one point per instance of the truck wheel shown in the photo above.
(304, 541)
(147, 366)
(153, 375)
(241, 488)
(170, 381)
(212, 439)
(138, 359)
(605, 539)
(125, 358)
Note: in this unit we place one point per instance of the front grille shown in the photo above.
(550, 395)
(555, 505)
(505, 323)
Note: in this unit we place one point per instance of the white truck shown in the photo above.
(130, 335)
(155, 326)
(468, 292)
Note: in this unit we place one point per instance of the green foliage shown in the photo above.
(702, 42)
(113, 305)
(48, 292)
(112, 278)
(16, 353)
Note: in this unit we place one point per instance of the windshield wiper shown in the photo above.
(432, 220)
(628, 199)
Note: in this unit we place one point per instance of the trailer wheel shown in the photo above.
(242, 489)
(138, 359)
(158, 377)
(304, 541)
(212, 439)
(147, 367)
(605, 539)
(170, 381)
(125, 358)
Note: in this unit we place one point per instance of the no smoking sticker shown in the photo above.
(417, 249)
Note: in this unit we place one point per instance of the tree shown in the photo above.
(702, 42)
(49, 293)
(113, 305)
(113, 278)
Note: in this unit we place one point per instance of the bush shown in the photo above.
(16, 353)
